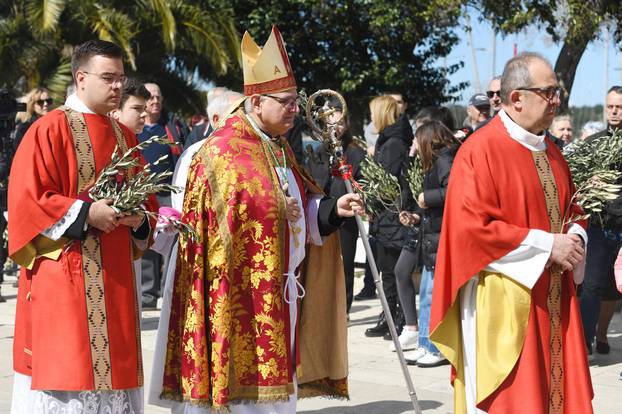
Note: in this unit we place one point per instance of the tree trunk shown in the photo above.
(566, 67)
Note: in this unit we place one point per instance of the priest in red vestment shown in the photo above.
(504, 309)
(77, 332)
(258, 308)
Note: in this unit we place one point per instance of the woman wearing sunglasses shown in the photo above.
(39, 104)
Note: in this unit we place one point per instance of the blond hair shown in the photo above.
(33, 96)
(384, 111)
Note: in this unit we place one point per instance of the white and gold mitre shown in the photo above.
(266, 70)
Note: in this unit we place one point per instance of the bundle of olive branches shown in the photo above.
(128, 192)
(380, 189)
(595, 167)
(414, 176)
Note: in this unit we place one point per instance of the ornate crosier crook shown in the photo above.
(320, 108)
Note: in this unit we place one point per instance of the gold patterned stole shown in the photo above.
(556, 392)
(92, 267)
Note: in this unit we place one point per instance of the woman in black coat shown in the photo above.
(394, 140)
(437, 147)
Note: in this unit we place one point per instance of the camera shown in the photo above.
(9, 107)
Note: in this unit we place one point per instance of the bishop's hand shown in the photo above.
(292, 209)
(350, 204)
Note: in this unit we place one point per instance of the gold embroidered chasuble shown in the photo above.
(229, 330)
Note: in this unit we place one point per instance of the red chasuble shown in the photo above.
(494, 197)
(228, 340)
(77, 324)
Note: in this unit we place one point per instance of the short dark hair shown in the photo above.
(133, 88)
(84, 52)
(616, 89)
(437, 113)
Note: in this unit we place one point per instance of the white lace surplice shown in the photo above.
(27, 401)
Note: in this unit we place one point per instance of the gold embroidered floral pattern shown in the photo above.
(229, 326)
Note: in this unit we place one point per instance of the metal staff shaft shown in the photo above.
(383, 301)
(326, 129)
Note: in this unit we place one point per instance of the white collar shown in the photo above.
(258, 130)
(75, 103)
(530, 141)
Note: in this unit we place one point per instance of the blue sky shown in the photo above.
(590, 84)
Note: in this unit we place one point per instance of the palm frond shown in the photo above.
(59, 80)
(211, 35)
(167, 19)
(45, 14)
(114, 26)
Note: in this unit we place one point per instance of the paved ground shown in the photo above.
(376, 382)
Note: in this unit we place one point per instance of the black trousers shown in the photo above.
(404, 269)
(368, 281)
(3, 249)
(153, 266)
(599, 282)
(387, 258)
(151, 276)
(348, 234)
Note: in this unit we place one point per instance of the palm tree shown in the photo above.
(176, 43)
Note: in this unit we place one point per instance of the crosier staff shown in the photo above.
(324, 127)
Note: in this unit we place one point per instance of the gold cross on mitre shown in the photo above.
(266, 70)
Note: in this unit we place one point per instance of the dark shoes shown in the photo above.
(366, 294)
(150, 305)
(602, 347)
(380, 329)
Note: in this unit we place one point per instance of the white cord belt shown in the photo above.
(292, 284)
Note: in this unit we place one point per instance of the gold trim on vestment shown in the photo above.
(556, 392)
(92, 268)
(241, 395)
(96, 312)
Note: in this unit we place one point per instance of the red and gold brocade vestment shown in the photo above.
(229, 327)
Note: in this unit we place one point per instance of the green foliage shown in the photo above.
(574, 23)
(358, 47)
(380, 190)
(363, 47)
(172, 42)
(414, 176)
(129, 192)
(564, 20)
(595, 168)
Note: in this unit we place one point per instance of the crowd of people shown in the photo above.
(254, 309)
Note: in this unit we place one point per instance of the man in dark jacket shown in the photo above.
(605, 242)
